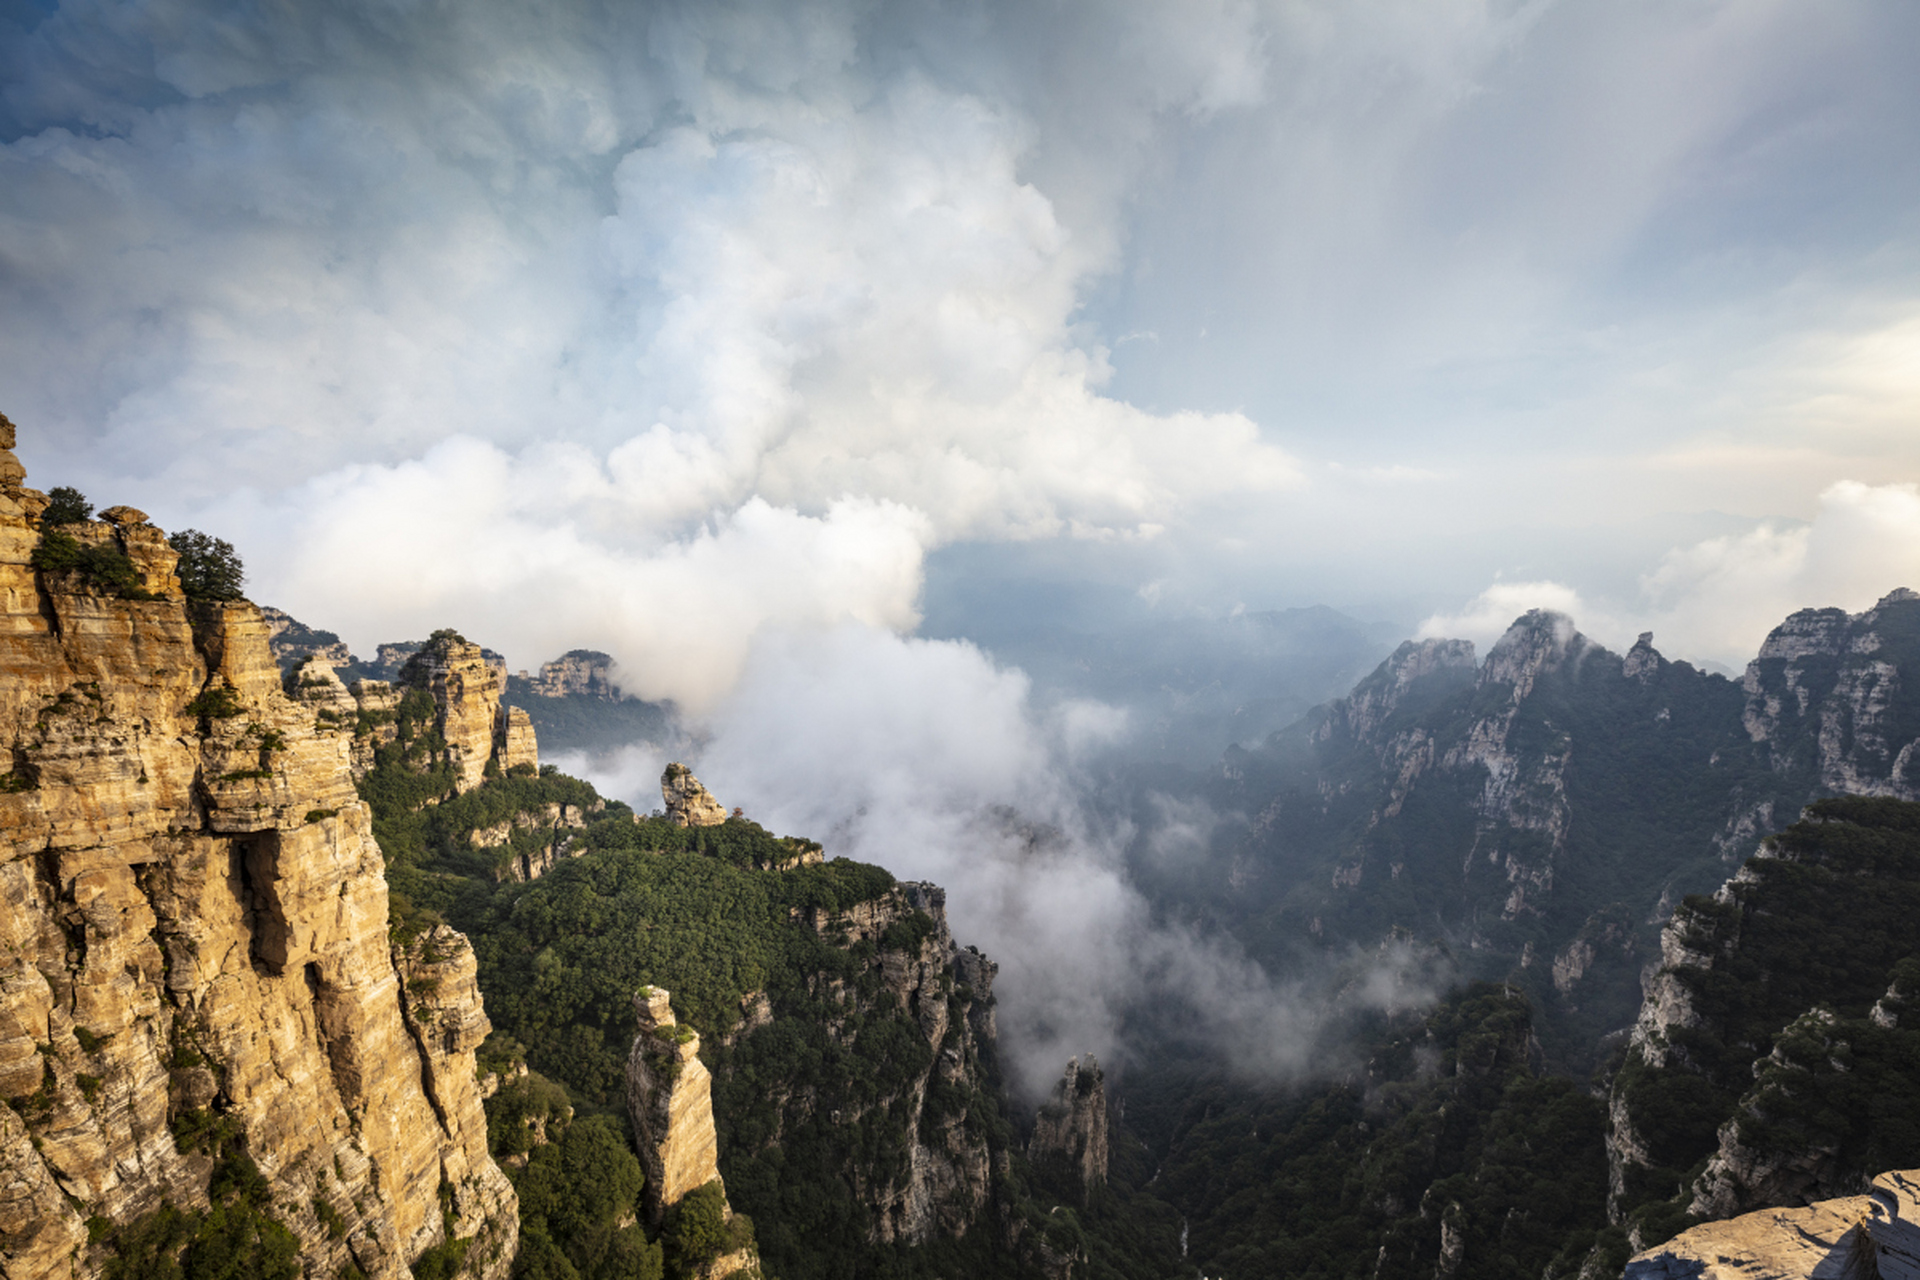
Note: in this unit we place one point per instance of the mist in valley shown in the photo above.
(987, 436)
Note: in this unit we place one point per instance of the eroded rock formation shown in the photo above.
(194, 918)
(1825, 696)
(670, 1097)
(581, 673)
(1071, 1129)
(466, 695)
(948, 991)
(688, 803)
(464, 683)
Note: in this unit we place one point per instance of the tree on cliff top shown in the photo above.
(66, 505)
(209, 568)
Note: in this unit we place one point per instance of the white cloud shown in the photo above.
(1717, 599)
(1488, 615)
(644, 331)
(924, 757)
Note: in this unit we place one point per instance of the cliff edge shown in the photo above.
(197, 990)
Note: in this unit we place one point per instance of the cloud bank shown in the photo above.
(1716, 600)
(562, 326)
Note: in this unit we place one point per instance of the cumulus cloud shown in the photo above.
(1719, 598)
(657, 327)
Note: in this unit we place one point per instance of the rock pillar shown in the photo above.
(1071, 1133)
(669, 1095)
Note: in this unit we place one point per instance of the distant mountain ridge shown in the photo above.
(1542, 811)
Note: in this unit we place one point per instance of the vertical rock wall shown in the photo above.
(193, 928)
(670, 1097)
(466, 689)
(1071, 1129)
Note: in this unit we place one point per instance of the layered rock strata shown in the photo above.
(477, 730)
(466, 694)
(1827, 696)
(194, 919)
(670, 1097)
(579, 673)
(688, 803)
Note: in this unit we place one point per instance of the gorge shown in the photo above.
(331, 976)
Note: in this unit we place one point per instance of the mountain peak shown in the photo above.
(1538, 640)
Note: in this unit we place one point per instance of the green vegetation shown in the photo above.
(66, 505)
(209, 569)
(640, 902)
(216, 702)
(236, 1238)
(1448, 1130)
(1645, 767)
(1813, 933)
(580, 722)
(105, 568)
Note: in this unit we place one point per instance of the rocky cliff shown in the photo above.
(197, 976)
(1547, 807)
(1771, 1064)
(1867, 1237)
(578, 673)
(470, 730)
(1070, 1132)
(909, 1113)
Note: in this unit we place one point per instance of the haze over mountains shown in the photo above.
(1173, 493)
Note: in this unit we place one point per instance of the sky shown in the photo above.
(704, 333)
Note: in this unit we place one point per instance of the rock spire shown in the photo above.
(1071, 1131)
(669, 1096)
(688, 803)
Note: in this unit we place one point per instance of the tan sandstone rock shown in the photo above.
(1852, 1238)
(688, 803)
(193, 918)
(466, 690)
(517, 744)
(670, 1097)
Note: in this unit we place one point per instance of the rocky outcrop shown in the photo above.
(1829, 696)
(1414, 664)
(312, 680)
(947, 991)
(1782, 1005)
(1071, 1129)
(688, 803)
(30, 502)
(476, 731)
(1853, 1238)
(669, 1096)
(514, 742)
(466, 695)
(579, 673)
(194, 918)
(292, 641)
(555, 822)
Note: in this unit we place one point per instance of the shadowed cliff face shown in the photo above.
(194, 919)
